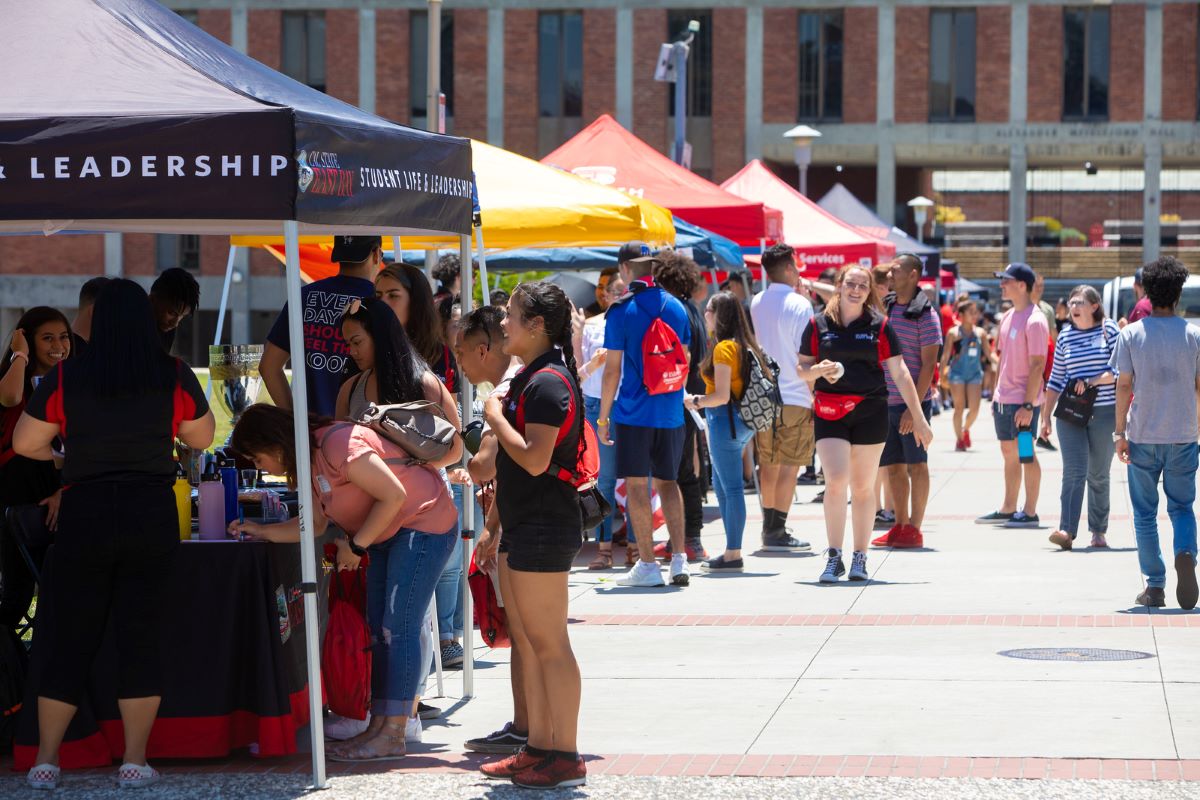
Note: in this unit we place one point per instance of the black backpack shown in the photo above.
(14, 665)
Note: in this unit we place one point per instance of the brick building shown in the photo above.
(899, 89)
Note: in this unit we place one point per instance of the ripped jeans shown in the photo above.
(402, 575)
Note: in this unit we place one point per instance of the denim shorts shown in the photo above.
(1006, 426)
(541, 548)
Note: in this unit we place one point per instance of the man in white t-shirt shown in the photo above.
(780, 316)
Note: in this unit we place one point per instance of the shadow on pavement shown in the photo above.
(860, 584)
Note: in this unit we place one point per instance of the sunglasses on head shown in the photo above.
(353, 307)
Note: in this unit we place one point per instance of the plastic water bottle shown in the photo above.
(183, 502)
(1025, 445)
(212, 506)
(229, 482)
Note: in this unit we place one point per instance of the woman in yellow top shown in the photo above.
(725, 371)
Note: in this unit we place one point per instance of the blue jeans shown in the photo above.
(1176, 464)
(400, 581)
(607, 481)
(1087, 454)
(449, 587)
(725, 446)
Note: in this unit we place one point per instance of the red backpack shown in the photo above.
(664, 359)
(583, 473)
(346, 654)
(489, 614)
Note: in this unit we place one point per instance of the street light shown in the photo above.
(920, 206)
(672, 68)
(802, 137)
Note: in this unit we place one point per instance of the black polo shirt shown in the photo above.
(861, 347)
(544, 499)
(116, 439)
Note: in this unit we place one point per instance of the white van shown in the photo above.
(1119, 299)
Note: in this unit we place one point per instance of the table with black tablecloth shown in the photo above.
(233, 662)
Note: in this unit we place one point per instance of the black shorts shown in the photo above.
(649, 452)
(903, 449)
(541, 548)
(866, 424)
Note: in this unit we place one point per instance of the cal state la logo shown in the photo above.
(304, 172)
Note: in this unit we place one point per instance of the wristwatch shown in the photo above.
(358, 551)
(1027, 406)
(1118, 436)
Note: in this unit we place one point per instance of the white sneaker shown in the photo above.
(339, 729)
(643, 574)
(133, 776)
(412, 729)
(679, 570)
(43, 776)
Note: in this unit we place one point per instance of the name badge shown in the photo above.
(1012, 334)
(323, 484)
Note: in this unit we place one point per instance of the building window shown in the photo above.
(952, 65)
(560, 64)
(1085, 63)
(418, 49)
(173, 250)
(699, 77)
(820, 56)
(304, 47)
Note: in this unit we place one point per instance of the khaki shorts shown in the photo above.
(790, 440)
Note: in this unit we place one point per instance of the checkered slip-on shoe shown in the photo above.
(43, 776)
(133, 776)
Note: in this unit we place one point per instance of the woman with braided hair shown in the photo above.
(538, 425)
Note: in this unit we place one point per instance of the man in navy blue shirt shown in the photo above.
(648, 429)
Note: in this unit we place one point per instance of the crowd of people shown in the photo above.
(831, 381)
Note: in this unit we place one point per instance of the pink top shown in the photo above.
(428, 508)
(1022, 334)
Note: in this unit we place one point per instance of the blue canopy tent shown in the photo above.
(842, 203)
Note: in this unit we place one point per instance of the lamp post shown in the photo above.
(672, 68)
(801, 138)
(920, 207)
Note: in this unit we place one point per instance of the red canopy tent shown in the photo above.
(607, 153)
(821, 240)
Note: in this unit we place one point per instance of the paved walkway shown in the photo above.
(898, 685)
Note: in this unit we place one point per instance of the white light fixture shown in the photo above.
(801, 138)
(920, 206)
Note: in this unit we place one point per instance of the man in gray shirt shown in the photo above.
(1157, 362)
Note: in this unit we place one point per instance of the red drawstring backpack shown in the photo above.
(489, 614)
(664, 360)
(346, 652)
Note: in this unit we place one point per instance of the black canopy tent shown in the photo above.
(120, 116)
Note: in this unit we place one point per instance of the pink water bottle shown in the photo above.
(212, 506)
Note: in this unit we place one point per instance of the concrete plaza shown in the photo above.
(896, 687)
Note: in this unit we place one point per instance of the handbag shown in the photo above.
(760, 401)
(1077, 409)
(346, 655)
(419, 428)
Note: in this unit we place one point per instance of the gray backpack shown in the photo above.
(419, 428)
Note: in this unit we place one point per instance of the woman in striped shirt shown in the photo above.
(1081, 360)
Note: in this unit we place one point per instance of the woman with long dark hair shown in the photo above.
(726, 372)
(538, 426)
(406, 291)
(398, 512)
(844, 351)
(41, 340)
(127, 401)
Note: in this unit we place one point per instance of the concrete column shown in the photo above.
(1016, 202)
(114, 256)
(366, 59)
(238, 29)
(1018, 62)
(239, 299)
(754, 82)
(1152, 200)
(625, 66)
(495, 77)
(885, 181)
(1152, 64)
(885, 66)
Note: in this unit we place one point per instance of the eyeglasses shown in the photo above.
(1077, 301)
(352, 308)
(862, 287)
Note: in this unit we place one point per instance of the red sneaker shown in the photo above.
(553, 773)
(960, 446)
(967, 439)
(886, 539)
(908, 537)
(662, 551)
(508, 767)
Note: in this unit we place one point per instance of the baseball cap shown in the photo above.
(353, 249)
(631, 250)
(653, 261)
(1019, 272)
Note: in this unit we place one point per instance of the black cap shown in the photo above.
(1019, 272)
(738, 275)
(354, 249)
(651, 261)
(631, 250)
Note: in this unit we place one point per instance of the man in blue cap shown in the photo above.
(1023, 343)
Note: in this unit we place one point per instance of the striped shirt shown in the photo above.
(913, 335)
(1082, 354)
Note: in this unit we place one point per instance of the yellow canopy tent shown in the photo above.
(523, 204)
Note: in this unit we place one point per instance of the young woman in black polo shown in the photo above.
(538, 426)
(118, 409)
(843, 351)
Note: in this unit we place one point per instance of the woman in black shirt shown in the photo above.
(118, 409)
(538, 426)
(843, 351)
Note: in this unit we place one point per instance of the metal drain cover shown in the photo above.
(1075, 654)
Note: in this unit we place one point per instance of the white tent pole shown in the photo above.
(308, 557)
(396, 257)
(225, 294)
(483, 281)
(468, 281)
(762, 248)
